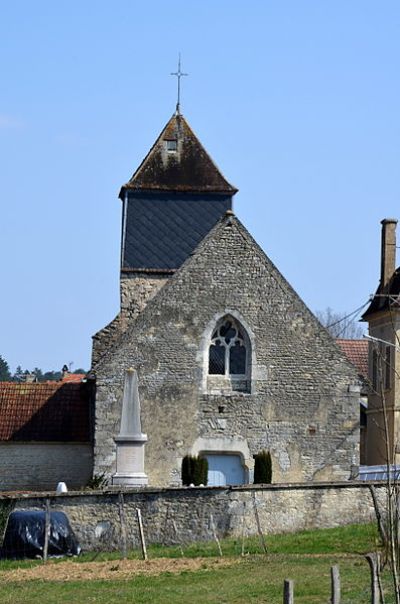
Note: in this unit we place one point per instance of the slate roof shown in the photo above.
(356, 352)
(189, 168)
(161, 232)
(385, 297)
(45, 411)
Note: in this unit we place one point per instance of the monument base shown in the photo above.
(130, 480)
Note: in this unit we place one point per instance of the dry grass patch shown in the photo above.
(114, 570)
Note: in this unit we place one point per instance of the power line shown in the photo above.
(349, 315)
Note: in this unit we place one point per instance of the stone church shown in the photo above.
(229, 359)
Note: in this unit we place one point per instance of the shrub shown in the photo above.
(194, 470)
(98, 481)
(263, 468)
(187, 470)
(201, 471)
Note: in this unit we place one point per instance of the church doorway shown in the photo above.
(225, 470)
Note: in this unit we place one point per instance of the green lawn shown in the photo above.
(305, 557)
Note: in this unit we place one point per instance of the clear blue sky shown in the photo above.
(296, 101)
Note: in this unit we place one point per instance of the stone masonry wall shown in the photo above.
(104, 340)
(302, 403)
(135, 290)
(43, 465)
(282, 508)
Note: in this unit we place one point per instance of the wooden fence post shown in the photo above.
(288, 597)
(243, 526)
(373, 565)
(177, 537)
(335, 585)
(121, 510)
(214, 532)
(141, 533)
(46, 531)
(260, 533)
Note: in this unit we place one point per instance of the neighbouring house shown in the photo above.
(46, 433)
(230, 360)
(357, 353)
(383, 317)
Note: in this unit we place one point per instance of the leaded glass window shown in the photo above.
(227, 353)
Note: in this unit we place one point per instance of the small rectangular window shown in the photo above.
(171, 145)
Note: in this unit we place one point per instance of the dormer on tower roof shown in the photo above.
(171, 202)
(178, 162)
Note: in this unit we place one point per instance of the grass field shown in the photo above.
(201, 576)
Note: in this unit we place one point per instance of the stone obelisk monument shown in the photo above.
(130, 440)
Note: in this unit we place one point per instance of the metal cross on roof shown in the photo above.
(178, 75)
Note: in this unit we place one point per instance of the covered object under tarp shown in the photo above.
(25, 532)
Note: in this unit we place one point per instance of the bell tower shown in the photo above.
(174, 198)
(170, 203)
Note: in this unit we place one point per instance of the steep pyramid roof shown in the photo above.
(178, 162)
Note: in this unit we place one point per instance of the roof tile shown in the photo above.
(356, 352)
(45, 411)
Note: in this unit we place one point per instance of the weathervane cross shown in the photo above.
(178, 75)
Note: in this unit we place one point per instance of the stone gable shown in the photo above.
(296, 400)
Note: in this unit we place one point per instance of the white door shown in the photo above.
(224, 470)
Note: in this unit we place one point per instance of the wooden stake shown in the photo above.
(46, 531)
(335, 585)
(165, 525)
(212, 525)
(372, 561)
(260, 534)
(141, 533)
(177, 536)
(288, 597)
(122, 519)
(243, 526)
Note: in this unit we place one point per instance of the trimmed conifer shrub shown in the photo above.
(194, 470)
(186, 471)
(263, 468)
(202, 471)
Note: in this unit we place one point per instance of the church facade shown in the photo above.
(230, 361)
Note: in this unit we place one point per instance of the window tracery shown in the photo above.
(228, 352)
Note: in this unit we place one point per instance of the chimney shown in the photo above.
(388, 250)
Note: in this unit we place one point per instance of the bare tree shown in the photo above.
(340, 324)
(388, 514)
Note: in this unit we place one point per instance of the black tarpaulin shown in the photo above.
(24, 536)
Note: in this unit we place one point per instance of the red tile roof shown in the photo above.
(46, 411)
(357, 353)
(73, 377)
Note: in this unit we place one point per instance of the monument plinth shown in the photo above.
(130, 440)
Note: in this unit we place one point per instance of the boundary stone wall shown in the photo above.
(95, 517)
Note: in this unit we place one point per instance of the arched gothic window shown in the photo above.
(228, 351)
